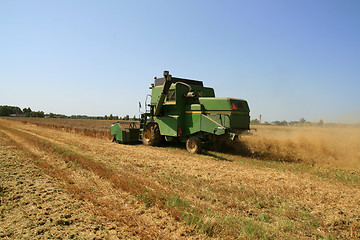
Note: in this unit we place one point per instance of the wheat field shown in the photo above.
(281, 183)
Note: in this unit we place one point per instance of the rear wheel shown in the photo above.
(151, 134)
(194, 145)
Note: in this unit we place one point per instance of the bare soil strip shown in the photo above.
(167, 193)
(121, 215)
(34, 205)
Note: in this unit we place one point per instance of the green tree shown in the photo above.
(27, 110)
(38, 114)
(255, 122)
(9, 110)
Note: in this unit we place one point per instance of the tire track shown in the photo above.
(77, 171)
(314, 208)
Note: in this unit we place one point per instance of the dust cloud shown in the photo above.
(325, 146)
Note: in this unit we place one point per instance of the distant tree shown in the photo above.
(38, 114)
(9, 110)
(277, 123)
(321, 123)
(4, 111)
(111, 117)
(293, 123)
(27, 110)
(280, 123)
(127, 117)
(302, 120)
(255, 122)
(60, 116)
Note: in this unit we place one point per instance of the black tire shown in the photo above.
(194, 145)
(151, 134)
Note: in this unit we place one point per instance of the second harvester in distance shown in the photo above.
(185, 110)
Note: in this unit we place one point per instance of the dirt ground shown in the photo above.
(56, 184)
(34, 206)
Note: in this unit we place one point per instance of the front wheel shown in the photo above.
(151, 134)
(194, 145)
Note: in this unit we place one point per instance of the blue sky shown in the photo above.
(288, 59)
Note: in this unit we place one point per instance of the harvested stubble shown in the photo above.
(88, 127)
(168, 193)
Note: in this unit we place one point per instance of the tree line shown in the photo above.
(301, 122)
(17, 112)
(13, 111)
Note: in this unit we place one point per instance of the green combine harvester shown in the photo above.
(185, 110)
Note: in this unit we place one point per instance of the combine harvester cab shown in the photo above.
(185, 110)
